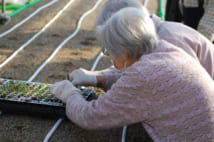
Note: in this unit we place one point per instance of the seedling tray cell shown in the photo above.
(22, 97)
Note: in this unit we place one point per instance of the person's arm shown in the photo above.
(121, 105)
(206, 24)
(106, 81)
(103, 79)
(111, 70)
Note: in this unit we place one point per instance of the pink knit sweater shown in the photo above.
(167, 90)
(191, 41)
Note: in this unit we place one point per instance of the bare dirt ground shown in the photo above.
(81, 51)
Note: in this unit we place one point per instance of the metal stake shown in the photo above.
(3, 6)
(3, 17)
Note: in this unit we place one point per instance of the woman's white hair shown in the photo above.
(112, 6)
(129, 29)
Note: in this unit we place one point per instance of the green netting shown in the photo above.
(9, 8)
(13, 9)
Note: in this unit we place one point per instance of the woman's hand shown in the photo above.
(63, 89)
(83, 77)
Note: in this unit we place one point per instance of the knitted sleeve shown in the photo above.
(118, 107)
(109, 80)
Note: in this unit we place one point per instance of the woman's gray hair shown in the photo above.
(112, 6)
(129, 30)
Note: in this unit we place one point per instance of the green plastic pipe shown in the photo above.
(25, 6)
(161, 13)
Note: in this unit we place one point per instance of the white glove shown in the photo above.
(83, 77)
(63, 89)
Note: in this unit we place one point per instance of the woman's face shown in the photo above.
(118, 62)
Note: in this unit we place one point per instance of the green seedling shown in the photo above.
(12, 94)
(31, 91)
(1, 91)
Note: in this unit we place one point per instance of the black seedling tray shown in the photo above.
(22, 97)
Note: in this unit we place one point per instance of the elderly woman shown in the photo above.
(191, 41)
(162, 87)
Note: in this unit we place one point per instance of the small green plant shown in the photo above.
(32, 91)
(22, 89)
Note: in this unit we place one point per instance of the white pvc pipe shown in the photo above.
(145, 3)
(96, 61)
(36, 35)
(50, 133)
(65, 41)
(28, 18)
(124, 134)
